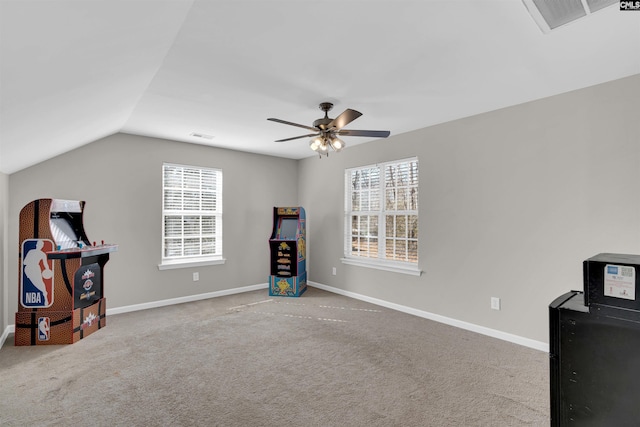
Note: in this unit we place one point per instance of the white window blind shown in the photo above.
(191, 213)
(381, 213)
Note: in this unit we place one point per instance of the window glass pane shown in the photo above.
(374, 200)
(173, 177)
(373, 247)
(355, 201)
(364, 200)
(208, 225)
(390, 199)
(192, 178)
(209, 180)
(401, 251)
(401, 226)
(364, 247)
(173, 226)
(390, 226)
(208, 201)
(413, 173)
(412, 226)
(390, 176)
(355, 180)
(172, 247)
(354, 225)
(413, 199)
(364, 225)
(364, 182)
(402, 175)
(412, 251)
(358, 247)
(374, 175)
(389, 248)
(208, 246)
(192, 246)
(354, 246)
(191, 225)
(402, 199)
(373, 225)
(173, 199)
(191, 201)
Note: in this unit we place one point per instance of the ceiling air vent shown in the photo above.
(551, 14)
(201, 135)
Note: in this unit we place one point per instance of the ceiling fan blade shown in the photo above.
(298, 137)
(369, 133)
(344, 119)
(284, 122)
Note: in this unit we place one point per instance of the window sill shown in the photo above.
(409, 269)
(197, 262)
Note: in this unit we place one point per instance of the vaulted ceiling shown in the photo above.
(75, 71)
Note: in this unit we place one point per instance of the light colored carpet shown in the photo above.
(254, 360)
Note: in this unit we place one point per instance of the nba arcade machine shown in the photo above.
(61, 290)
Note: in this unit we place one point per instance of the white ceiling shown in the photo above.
(78, 70)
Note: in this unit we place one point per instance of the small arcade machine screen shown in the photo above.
(63, 231)
(288, 228)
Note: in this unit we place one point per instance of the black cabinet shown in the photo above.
(594, 354)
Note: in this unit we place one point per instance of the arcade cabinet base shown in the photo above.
(287, 286)
(59, 327)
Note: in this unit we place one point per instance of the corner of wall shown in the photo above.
(4, 280)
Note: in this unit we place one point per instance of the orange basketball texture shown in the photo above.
(62, 297)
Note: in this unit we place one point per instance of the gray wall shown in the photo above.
(4, 200)
(511, 203)
(120, 178)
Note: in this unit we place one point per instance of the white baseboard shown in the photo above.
(8, 331)
(516, 339)
(180, 300)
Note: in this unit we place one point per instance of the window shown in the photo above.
(381, 216)
(191, 216)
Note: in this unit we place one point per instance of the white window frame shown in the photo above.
(184, 261)
(380, 262)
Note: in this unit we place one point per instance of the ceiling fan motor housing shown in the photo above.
(323, 122)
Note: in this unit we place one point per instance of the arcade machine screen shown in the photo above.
(63, 231)
(288, 228)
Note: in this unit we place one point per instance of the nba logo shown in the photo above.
(36, 280)
(44, 325)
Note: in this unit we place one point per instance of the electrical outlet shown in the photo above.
(333, 271)
(196, 276)
(495, 303)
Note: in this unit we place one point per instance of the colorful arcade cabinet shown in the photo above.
(61, 290)
(288, 252)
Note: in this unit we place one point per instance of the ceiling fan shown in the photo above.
(326, 130)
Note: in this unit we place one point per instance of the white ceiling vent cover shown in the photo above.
(551, 14)
(201, 135)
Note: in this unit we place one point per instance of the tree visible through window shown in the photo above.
(191, 213)
(381, 212)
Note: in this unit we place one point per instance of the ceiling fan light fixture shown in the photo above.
(316, 143)
(324, 147)
(337, 144)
